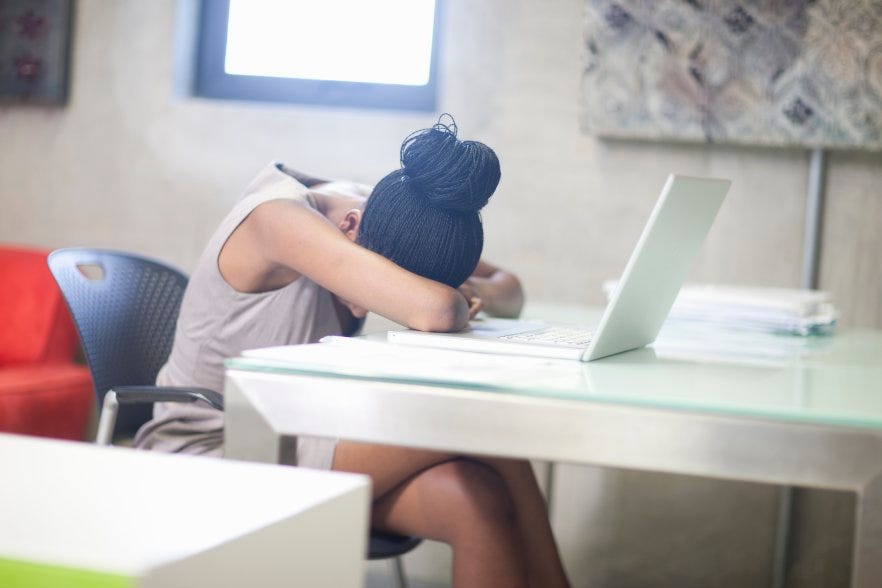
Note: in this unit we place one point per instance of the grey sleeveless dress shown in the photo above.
(217, 322)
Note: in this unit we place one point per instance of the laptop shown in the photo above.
(639, 303)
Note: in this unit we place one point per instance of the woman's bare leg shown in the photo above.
(544, 566)
(464, 504)
(387, 466)
(390, 466)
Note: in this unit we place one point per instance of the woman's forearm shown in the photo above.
(444, 311)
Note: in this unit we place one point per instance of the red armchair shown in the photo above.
(42, 390)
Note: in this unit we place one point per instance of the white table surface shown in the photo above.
(126, 512)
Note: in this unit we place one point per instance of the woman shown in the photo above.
(298, 259)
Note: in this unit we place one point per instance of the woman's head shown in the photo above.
(424, 216)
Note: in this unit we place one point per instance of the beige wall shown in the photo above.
(127, 164)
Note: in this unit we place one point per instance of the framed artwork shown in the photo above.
(34, 47)
(774, 72)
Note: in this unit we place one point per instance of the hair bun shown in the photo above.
(453, 175)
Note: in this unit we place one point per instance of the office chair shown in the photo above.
(125, 308)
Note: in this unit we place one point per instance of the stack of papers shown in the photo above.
(364, 358)
(701, 341)
(768, 310)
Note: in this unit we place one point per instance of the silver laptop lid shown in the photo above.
(659, 264)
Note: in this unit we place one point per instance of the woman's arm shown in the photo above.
(499, 290)
(288, 234)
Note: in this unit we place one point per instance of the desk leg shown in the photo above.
(867, 566)
(549, 484)
(781, 555)
(248, 436)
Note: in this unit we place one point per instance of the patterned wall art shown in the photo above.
(34, 46)
(773, 72)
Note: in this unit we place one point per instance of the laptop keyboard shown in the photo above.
(553, 336)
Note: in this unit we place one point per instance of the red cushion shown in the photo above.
(34, 322)
(49, 400)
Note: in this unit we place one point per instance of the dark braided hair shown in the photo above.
(424, 216)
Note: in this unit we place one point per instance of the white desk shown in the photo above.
(776, 412)
(73, 514)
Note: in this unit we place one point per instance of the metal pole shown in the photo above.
(814, 212)
(782, 537)
(107, 422)
(811, 263)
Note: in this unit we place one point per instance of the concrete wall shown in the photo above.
(127, 164)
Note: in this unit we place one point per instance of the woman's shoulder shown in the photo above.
(271, 183)
(235, 257)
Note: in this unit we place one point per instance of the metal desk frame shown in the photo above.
(264, 411)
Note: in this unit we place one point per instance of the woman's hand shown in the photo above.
(499, 291)
(471, 295)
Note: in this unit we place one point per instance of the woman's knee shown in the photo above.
(478, 491)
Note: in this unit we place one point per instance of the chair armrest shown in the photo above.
(142, 394)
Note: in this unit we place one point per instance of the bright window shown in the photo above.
(375, 53)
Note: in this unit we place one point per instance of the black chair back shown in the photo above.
(125, 308)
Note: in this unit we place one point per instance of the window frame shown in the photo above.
(212, 81)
